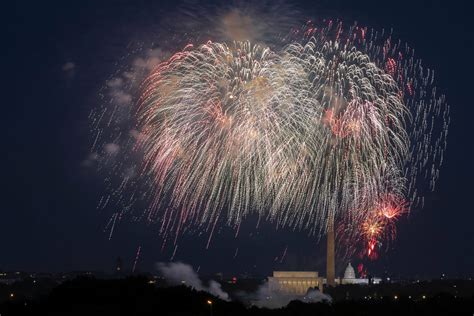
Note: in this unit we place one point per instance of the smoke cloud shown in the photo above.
(264, 297)
(178, 273)
(111, 148)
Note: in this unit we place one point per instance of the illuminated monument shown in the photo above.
(297, 283)
(350, 277)
(330, 258)
(294, 282)
(350, 272)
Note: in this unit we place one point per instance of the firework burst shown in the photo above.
(337, 123)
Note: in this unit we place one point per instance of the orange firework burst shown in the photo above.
(373, 230)
(379, 226)
(373, 227)
(392, 206)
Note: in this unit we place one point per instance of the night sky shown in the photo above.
(49, 218)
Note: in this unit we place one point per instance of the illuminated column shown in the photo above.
(330, 263)
(320, 284)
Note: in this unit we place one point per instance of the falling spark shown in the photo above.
(136, 259)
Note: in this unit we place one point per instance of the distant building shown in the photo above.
(350, 277)
(294, 282)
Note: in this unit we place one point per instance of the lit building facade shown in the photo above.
(350, 277)
(294, 282)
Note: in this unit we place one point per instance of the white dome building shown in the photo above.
(349, 273)
(350, 277)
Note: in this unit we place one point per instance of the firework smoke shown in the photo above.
(178, 273)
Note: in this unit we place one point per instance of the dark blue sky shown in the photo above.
(49, 220)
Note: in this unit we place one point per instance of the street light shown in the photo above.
(209, 302)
